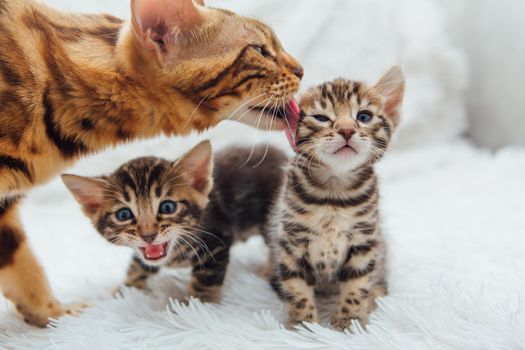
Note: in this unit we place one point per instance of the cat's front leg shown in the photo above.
(139, 273)
(22, 279)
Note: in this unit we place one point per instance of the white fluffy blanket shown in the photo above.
(453, 214)
(454, 220)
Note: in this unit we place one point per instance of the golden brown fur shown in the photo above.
(73, 84)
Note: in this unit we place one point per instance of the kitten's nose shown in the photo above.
(346, 133)
(149, 238)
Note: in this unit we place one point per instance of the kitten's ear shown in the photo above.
(198, 165)
(89, 192)
(392, 87)
(159, 23)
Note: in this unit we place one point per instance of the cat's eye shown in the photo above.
(321, 118)
(124, 214)
(167, 207)
(364, 117)
(258, 48)
(262, 50)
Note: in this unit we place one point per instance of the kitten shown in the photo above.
(72, 85)
(327, 237)
(172, 215)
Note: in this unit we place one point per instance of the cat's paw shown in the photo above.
(41, 316)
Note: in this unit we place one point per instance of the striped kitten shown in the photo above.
(171, 217)
(328, 237)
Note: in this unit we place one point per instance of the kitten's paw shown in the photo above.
(265, 272)
(208, 294)
(53, 310)
(343, 322)
(140, 285)
(298, 319)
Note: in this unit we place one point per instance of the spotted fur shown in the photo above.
(74, 84)
(327, 236)
(207, 221)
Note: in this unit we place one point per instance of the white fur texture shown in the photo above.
(453, 217)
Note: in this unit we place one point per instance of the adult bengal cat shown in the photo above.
(72, 84)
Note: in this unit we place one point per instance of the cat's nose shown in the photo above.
(299, 72)
(346, 133)
(149, 238)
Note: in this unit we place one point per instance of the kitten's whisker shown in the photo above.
(203, 231)
(192, 248)
(200, 243)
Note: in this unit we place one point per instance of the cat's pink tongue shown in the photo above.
(292, 117)
(154, 251)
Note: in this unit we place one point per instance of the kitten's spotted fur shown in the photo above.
(74, 84)
(327, 237)
(205, 222)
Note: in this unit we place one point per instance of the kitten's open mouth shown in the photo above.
(155, 252)
(286, 117)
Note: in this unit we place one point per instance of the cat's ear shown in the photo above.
(89, 192)
(197, 164)
(392, 88)
(158, 24)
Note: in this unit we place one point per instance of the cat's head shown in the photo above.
(345, 124)
(149, 204)
(229, 66)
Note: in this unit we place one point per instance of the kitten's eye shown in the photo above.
(167, 207)
(124, 214)
(364, 117)
(321, 118)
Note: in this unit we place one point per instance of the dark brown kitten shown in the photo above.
(170, 215)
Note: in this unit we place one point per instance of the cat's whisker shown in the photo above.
(257, 126)
(244, 105)
(249, 110)
(273, 112)
(195, 110)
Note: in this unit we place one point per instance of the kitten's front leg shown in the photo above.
(295, 283)
(209, 273)
(355, 294)
(139, 273)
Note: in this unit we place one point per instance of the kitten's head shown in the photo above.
(346, 124)
(149, 204)
(230, 66)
